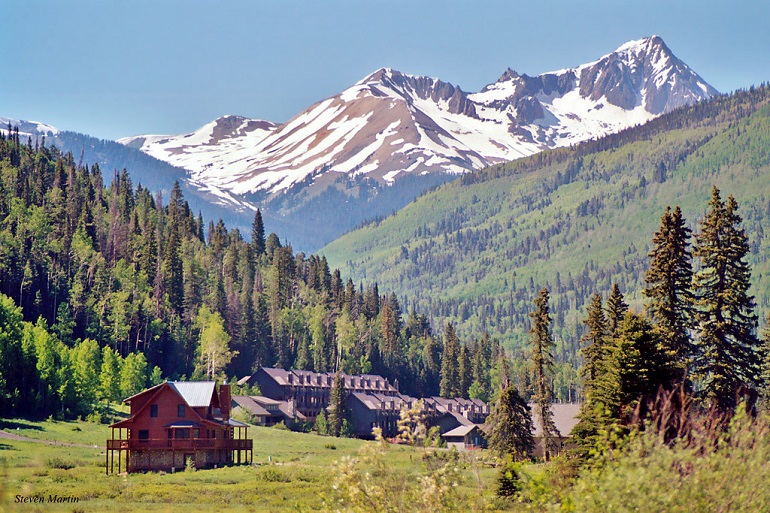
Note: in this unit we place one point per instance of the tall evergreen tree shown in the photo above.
(616, 309)
(336, 407)
(593, 341)
(669, 291)
(595, 349)
(729, 360)
(464, 371)
(542, 361)
(450, 364)
(258, 235)
(510, 425)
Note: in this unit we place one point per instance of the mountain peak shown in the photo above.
(645, 43)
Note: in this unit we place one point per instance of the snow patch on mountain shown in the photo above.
(391, 123)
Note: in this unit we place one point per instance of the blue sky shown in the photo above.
(113, 69)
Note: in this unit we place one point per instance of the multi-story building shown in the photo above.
(175, 424)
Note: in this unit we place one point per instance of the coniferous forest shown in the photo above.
(109, 288)
(574, 220)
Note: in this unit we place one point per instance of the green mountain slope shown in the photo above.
(477, 250)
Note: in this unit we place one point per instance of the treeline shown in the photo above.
(573, 220)
(112, 266)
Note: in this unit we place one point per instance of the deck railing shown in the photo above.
(181, 444)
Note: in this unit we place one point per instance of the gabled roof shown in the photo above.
(250, 405)
(462, 420)
(460, 430)
(196, 394)
(369, 401)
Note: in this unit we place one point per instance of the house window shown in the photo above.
(144, 434)
(196, 433)
(180, 410)
(182, 433)
(153, 410)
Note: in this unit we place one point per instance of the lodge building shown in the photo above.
(177, 423)
(371, 400)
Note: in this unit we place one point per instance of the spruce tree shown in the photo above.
(542, 361)
(616, 309)
(465, 372)
(336, 407)
(669, 291)
(594, 348)
(450, 364)
(729, 359)
(640, 364)
(593, 341)
(510, 425)
(258, 235)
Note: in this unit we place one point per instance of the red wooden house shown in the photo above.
(178, 422)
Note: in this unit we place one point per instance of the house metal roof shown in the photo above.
(196, 394)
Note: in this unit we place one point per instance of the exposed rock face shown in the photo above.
(391, 123)
(643, 73)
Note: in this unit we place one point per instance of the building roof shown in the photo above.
(367, 400)
(196, 394)
(565, 416)
(265, 401)
(250, 405)
(326, 379)
(460, 430)
(463, 420)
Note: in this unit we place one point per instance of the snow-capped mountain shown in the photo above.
(27, 128)
(391, 123)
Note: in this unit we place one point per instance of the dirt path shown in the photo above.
(13, 436)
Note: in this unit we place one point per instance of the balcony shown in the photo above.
(180, 444)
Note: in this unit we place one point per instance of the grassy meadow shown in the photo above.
(291, 472)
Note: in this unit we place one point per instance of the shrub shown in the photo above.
(60, 463)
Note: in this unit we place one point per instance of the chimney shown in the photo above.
(224, 401)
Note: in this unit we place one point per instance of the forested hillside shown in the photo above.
(91, 274)
(573, 220)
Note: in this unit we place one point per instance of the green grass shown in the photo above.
(291, 472)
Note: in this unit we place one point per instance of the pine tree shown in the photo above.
(593, 341)
(431, 370)
(450, 364)
(640, 364)
(336, 407)
(616, 309)
(594, 348)
(542, 361)
(729, 359)
(510, 425)
(464, 371)
(669, 290)
(258, 236)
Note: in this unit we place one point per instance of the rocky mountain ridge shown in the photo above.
(391, 123)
